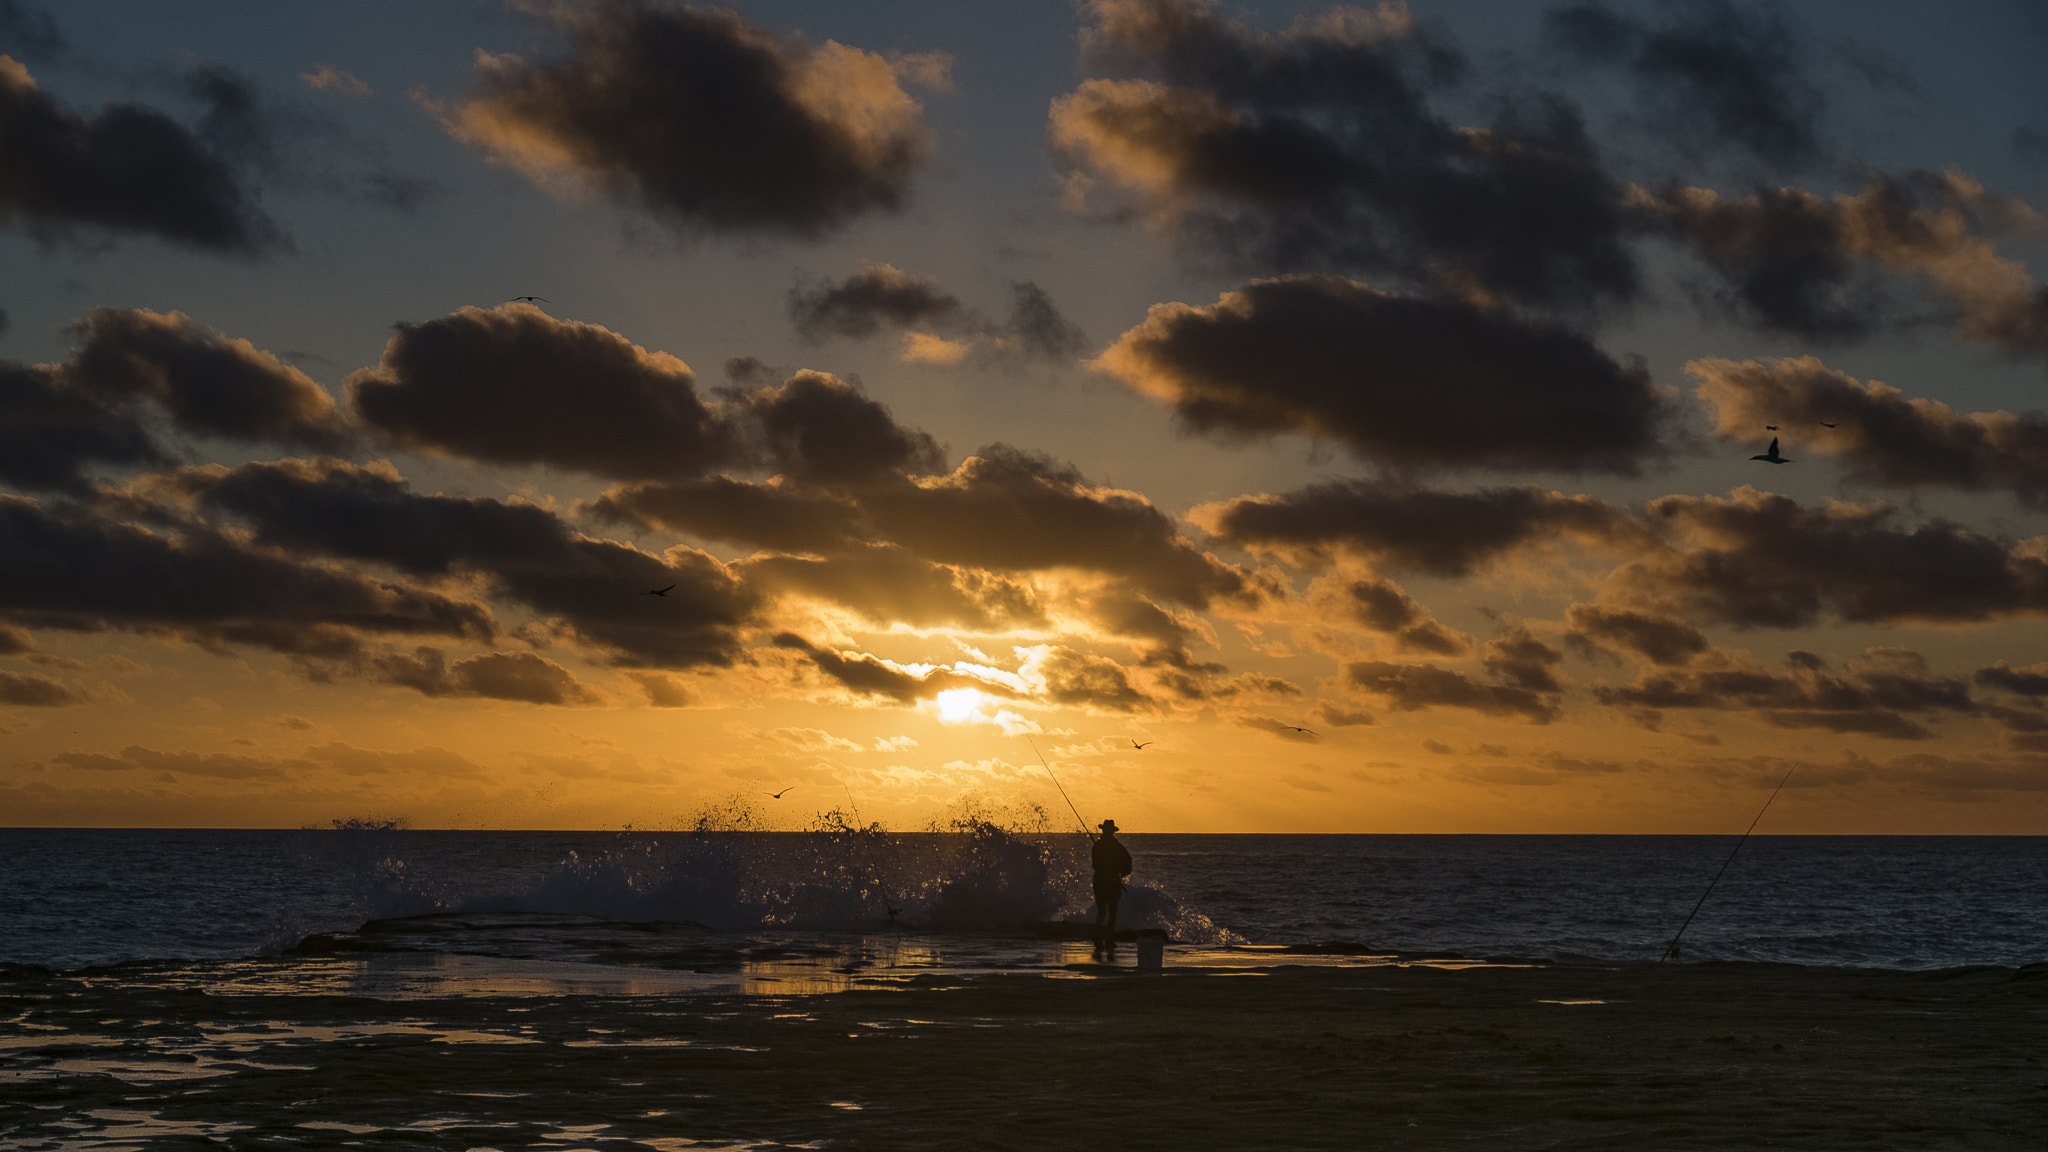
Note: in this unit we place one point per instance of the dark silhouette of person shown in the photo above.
(1112, 863)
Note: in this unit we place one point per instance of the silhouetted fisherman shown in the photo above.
(1112, 863)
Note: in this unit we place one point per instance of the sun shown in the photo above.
(960, 705)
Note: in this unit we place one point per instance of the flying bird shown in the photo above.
(671, 588)
(531, 300)
(1772, 457)
(1297, 728)
(777, 795)
(1770, 427)
(1825, 424)
(1142, 747)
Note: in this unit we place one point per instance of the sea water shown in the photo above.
(724, 902)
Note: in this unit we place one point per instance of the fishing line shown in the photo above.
(1671, 953)
(874, 865)
(1056, 783)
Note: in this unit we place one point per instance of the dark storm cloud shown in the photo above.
(594, 588)
(1716, 76)
(64, 567)
(1874, 697)
(127, 169)
(709, 122)
(1661, 640)
(512, 385)
(1915, 246)
(35, 690)
(1402, 527)
(517, 676)
(882, 296)
(1761, 560)
(1382, 606)
(1519, 658)
(1317, 148)
(1414, 687)
(1886, 438)
(822, 430)
(1404, 382)
(876, 296)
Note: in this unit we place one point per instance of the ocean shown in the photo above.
(617, 992)
(718, 900)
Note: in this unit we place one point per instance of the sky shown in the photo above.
(1268, 417)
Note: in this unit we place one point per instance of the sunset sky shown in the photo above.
(1353, 405)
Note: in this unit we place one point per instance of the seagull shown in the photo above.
(1770, 427)
(1297, 728)
(777, 795)
(671, 588)
(1825, 424)
(1772, 457)
(531, 300)
(1141, 747)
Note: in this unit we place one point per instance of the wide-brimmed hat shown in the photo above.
(1109, 825)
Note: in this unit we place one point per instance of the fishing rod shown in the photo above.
(874, 865)
(1056, 783)
(1671, 952)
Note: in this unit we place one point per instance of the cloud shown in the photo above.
(513, 385)
(1717, 76)
(882, 296)
(890, 586)
(1873, 697)
(1289, 732)
(822, 430)
(34, 690)
(594, 588)
(1404, 528)
(1519, 658)
(875, 296)
(1659, 639)
(664, 691)
(866, 675)
(1002, 510)
(1887, 438)
(1382, 606)
(518, 676)
(1793, 261)
(57, 420)
(65, 567)
(217, 765)
(1317, 148)
(1414, 687)
(2029, 681)
(129, 169)
(1404, 382)
(814, 740)
(209, 384)
(710, 123)
(1760, 560)
(50, 432)
(341, 82)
